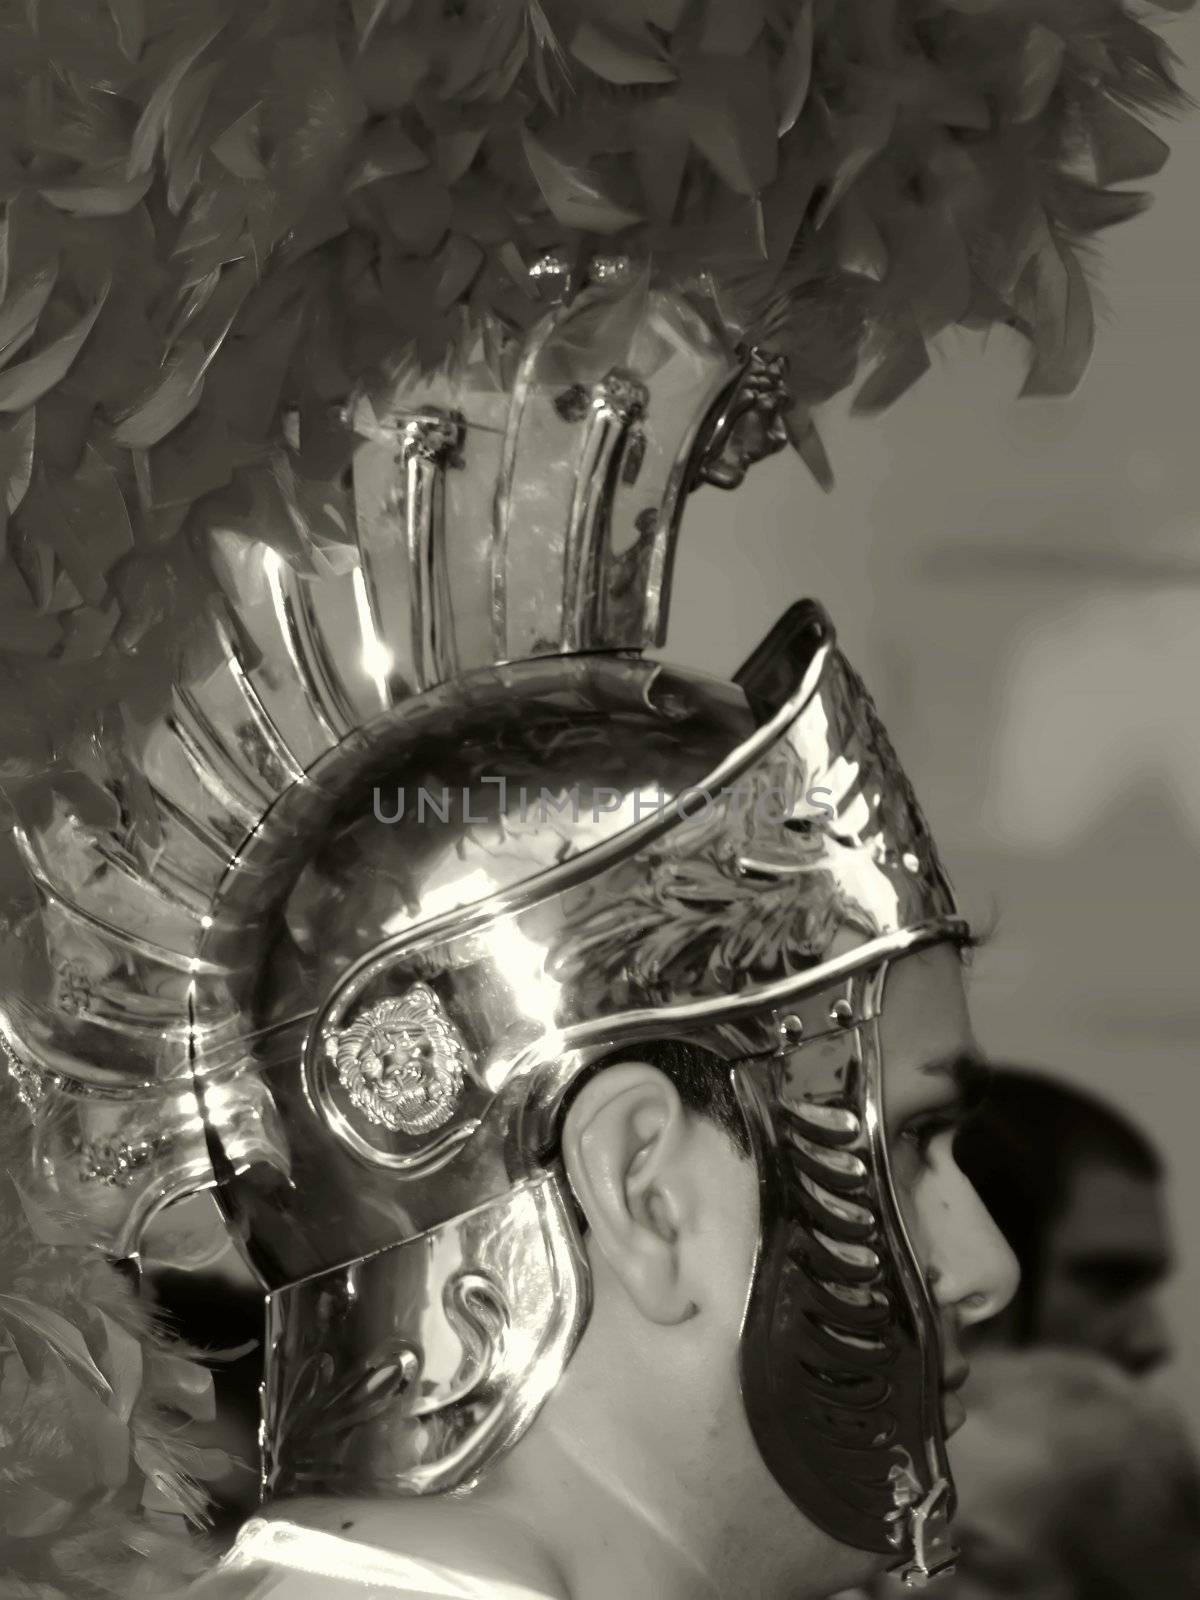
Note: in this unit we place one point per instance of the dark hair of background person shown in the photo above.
(1093, 1481)
(1021, 1150)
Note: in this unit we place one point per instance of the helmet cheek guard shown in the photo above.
(841, 1344)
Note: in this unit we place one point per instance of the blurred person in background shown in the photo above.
(1074, 1484)
(1077, 1191)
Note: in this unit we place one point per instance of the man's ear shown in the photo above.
(627, 1146)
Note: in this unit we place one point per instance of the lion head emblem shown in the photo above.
(402, 1062)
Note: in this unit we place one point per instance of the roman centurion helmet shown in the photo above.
(436, 838)
(415, 835)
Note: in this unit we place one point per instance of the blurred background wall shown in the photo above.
(1019, 581)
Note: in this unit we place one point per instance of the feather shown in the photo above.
(91, 1388)
(173, 398)
(899, 368)
(574, 198)
(16, 461)
(806, 442)
(794, 73)
(29, 380)
(620, 59)
(152, 124)
(130, 19)
(51, 1333)
(21, 309)
(105, 194)
(1059, 319)
(1038, 68)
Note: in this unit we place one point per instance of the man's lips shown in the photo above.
(954, 1413)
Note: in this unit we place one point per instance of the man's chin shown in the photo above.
(954, 1413)
(843, 1570)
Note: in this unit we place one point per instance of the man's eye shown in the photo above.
(1113, 1280)
(921, 1132)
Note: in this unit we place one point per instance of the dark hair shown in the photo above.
(705, 1085)
(704, 1082)
(1021, 1150)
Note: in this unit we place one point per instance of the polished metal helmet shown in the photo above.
(426, 838)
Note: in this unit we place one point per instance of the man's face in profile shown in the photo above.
(1106, 1258)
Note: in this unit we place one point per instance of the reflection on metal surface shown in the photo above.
(430, 445)
(490, 1306)
(613, 448)
(568, 478)
(933, 1554)
(748, 426)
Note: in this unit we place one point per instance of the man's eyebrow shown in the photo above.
(1121, 1259)
(968, 1072)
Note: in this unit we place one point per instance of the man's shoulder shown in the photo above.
(274, 1560)
(262, 1580)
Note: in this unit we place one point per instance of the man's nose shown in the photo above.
(970, 1265)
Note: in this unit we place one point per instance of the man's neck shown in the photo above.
(608, 1535)
(557, 1529)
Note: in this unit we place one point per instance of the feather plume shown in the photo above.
(216, 212)
(96, 1479)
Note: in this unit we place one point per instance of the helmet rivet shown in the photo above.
(841, 1012)
(791, 1028)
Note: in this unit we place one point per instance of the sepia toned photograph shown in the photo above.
(599, 799)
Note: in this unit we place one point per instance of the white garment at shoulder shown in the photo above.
(284, 1561)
